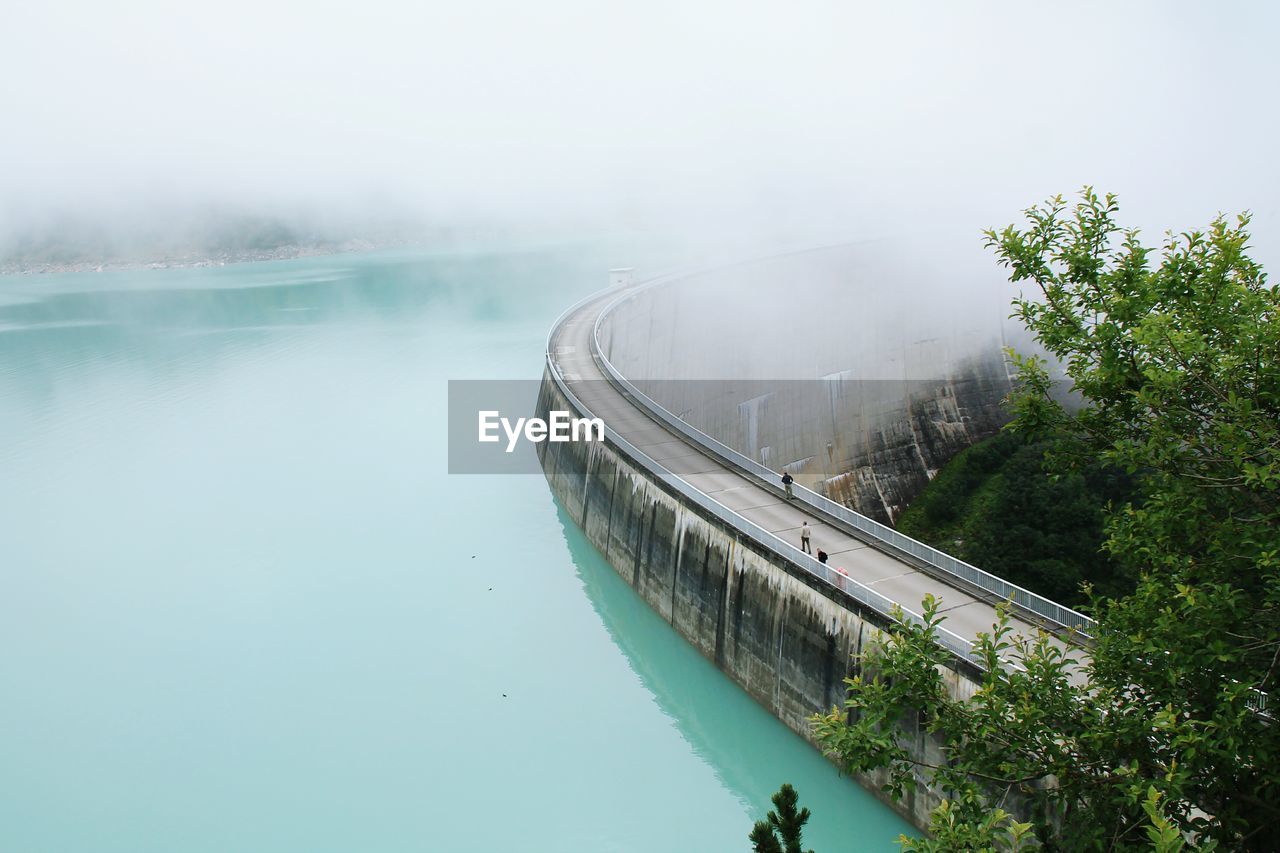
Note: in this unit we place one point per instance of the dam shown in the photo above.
(703, 533)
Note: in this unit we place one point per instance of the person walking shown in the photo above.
(804, 538)
(786, 484)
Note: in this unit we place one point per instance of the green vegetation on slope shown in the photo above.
(999, 506)
(1165, 736)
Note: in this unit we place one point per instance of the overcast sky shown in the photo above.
(835, 117)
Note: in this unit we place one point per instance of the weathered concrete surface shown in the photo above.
(861, 369)
(784, 636)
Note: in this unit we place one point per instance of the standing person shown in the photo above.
(804, 538)
(822, 556)
(786, 484)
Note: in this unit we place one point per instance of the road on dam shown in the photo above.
(571, 349)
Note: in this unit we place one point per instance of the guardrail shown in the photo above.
(938, 563)
(873, 600)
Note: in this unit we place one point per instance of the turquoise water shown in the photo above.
(244, 608)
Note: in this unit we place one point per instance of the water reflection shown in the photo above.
(751, 752)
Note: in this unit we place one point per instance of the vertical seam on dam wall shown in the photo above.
(829, 668)
(735, 592)
(592, 459)
(679, 558)
(780, 618)
(647, 542)
(724, 603)
(613, 495)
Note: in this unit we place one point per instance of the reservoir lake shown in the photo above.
(244, 607)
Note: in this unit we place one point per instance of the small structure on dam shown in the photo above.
(621, 277)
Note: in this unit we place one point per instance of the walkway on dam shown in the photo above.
(887, 574)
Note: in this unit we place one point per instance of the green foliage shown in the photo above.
(1152, 740)
(996, 506)
(1028, 733)
(944, 504)
(954, 828)
(1164, 836)
(1180, 365)
(1081, 765)
(781, 831)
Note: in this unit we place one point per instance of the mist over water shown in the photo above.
(242, 607)
(763, 124)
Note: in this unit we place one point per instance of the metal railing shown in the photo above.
(940, 564)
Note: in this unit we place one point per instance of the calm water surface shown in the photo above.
(244, 608)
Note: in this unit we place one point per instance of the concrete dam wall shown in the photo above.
(860, 369)
(815, 363)
(782, 634)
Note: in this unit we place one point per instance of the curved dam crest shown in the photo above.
(787, 636)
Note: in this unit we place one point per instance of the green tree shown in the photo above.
(781, 830)
(1159, 729)
(996, 506)
(949, 830)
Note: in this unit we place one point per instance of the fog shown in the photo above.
(770, 124)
